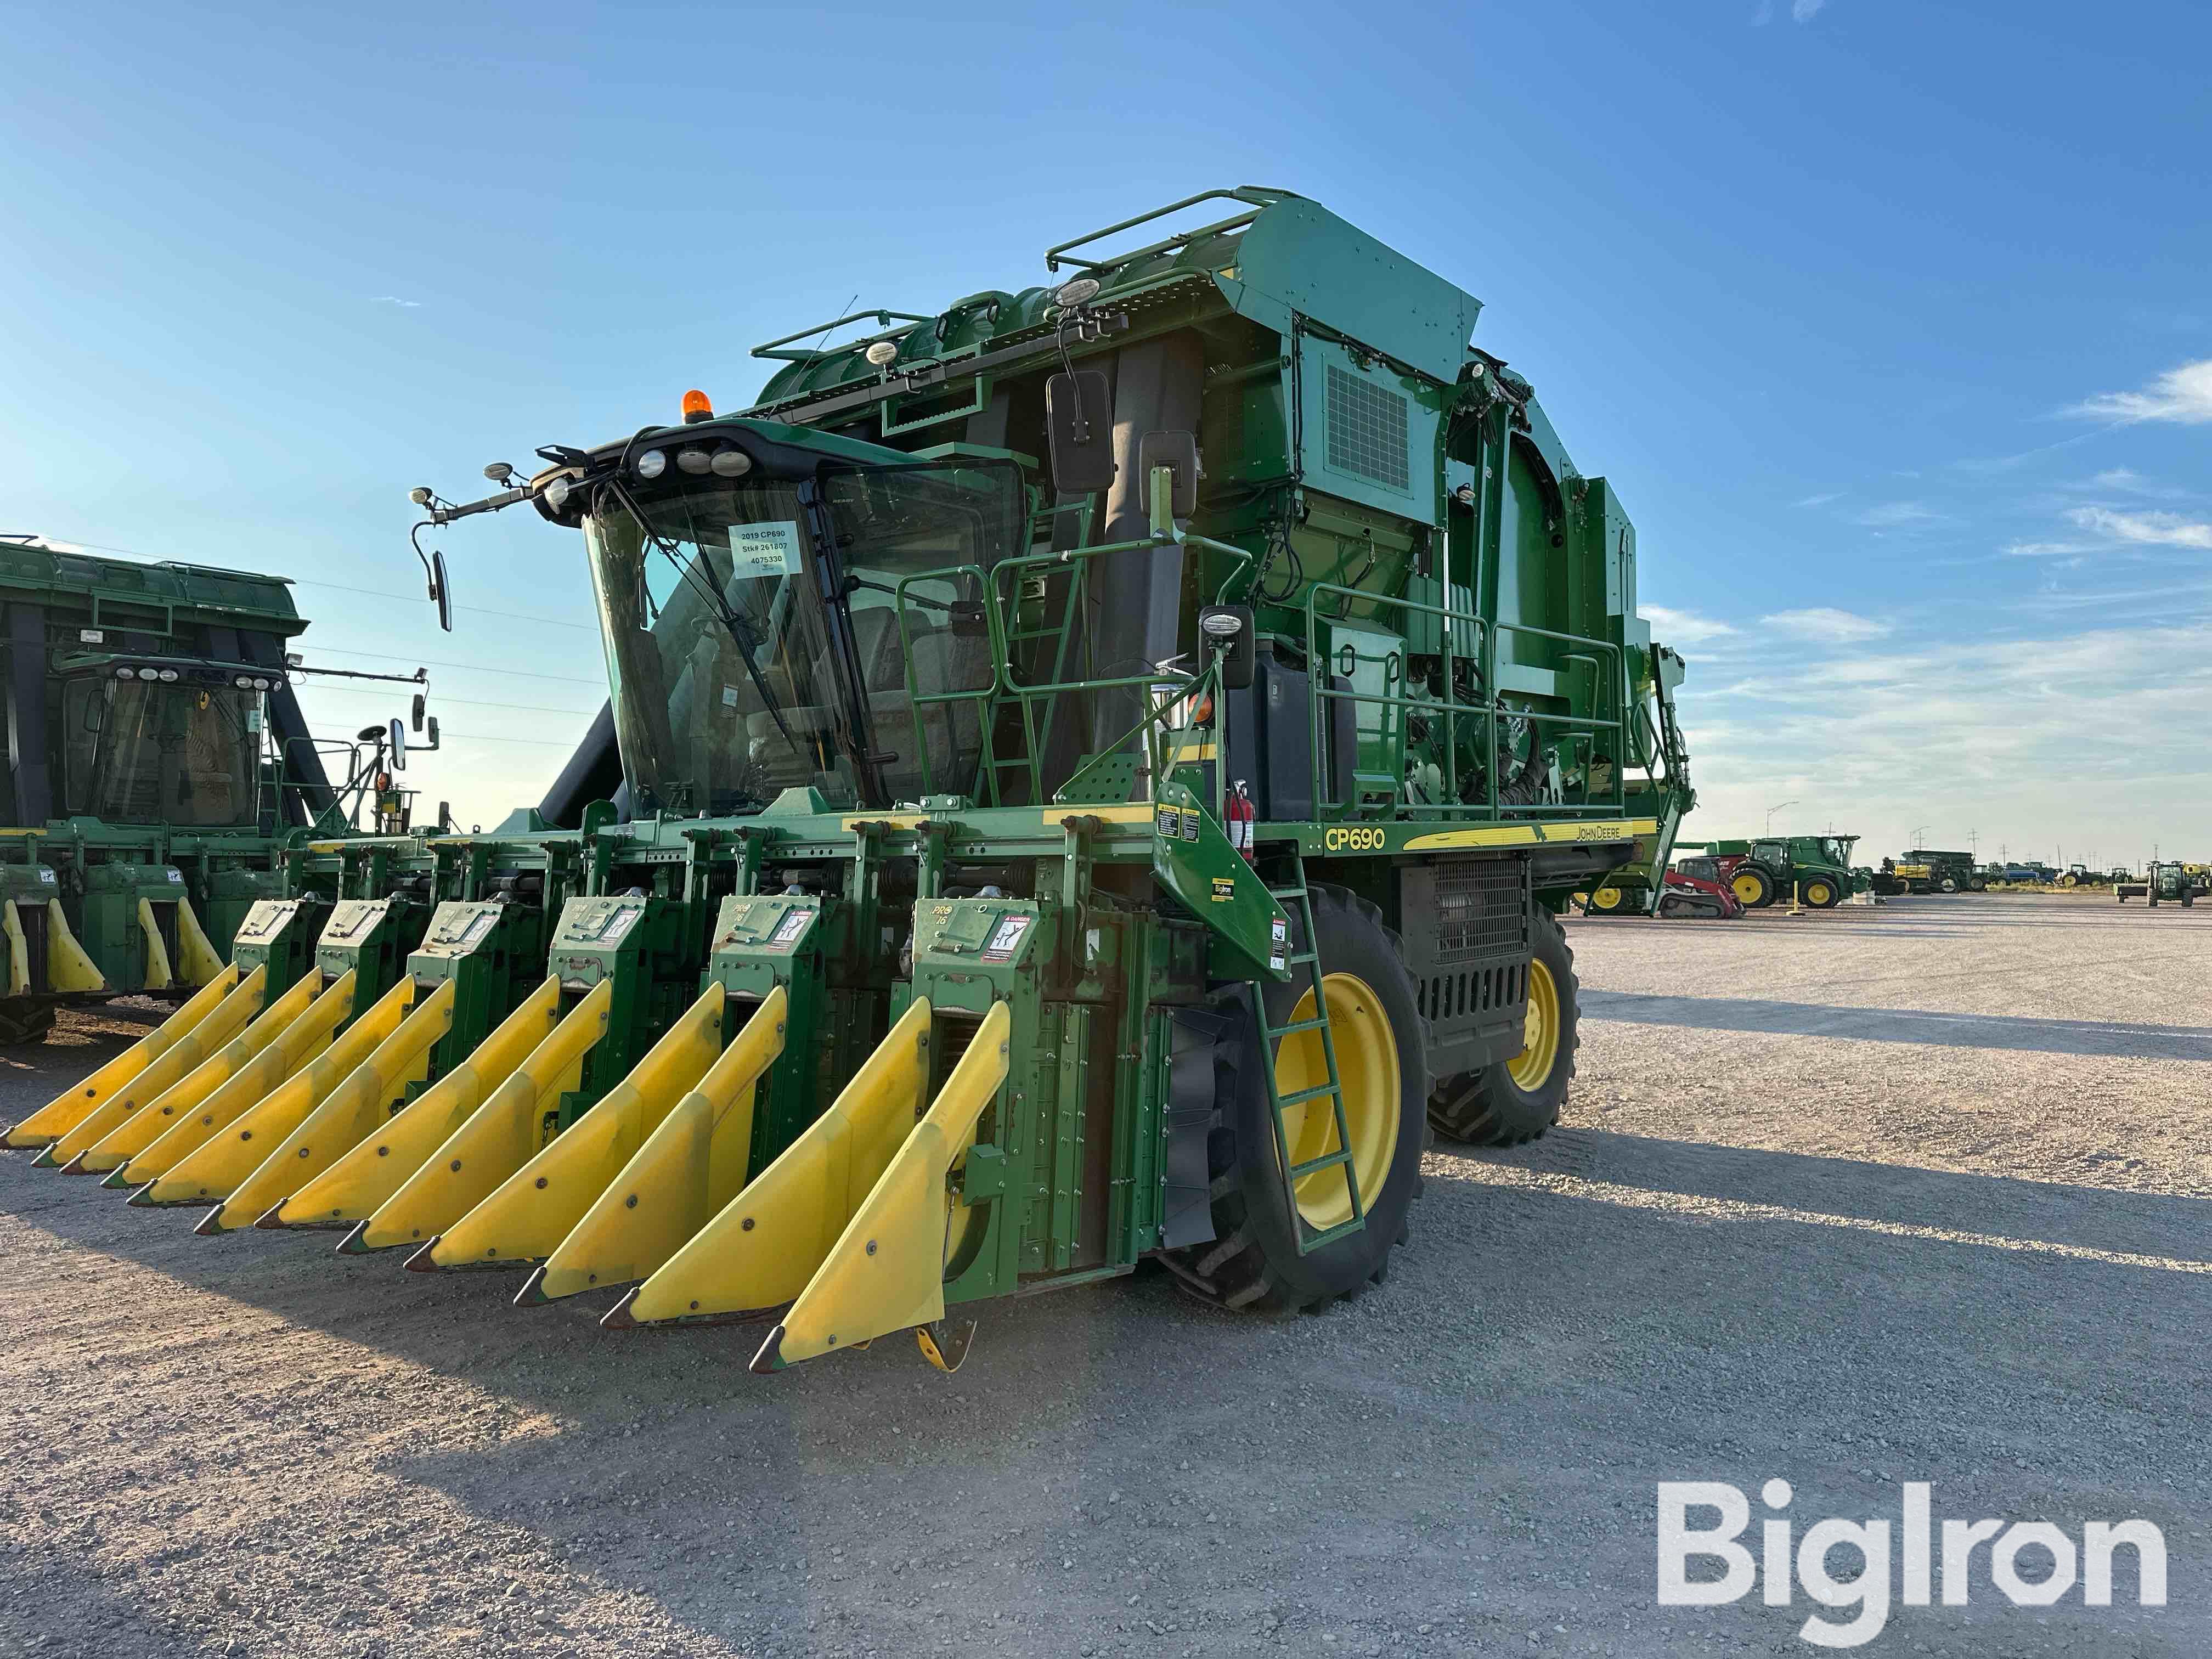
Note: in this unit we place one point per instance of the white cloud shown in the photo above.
(2049, 550)
(1762, 13)
(1673, 627)
(1893, 515)
(394, 300)
(1804, 11)
(2182, 395)
(2144, 529)
(1997, 744)
(1824, 625)
(1821, 500)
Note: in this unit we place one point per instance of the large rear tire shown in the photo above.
(1516, 1100)
(1823, 892)
(1382, 1051)
(1607, 901)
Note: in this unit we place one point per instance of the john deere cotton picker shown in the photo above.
(1090, 775)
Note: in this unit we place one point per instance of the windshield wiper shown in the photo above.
(731, 625)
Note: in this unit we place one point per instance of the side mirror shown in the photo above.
(442, 590)
(1078, 411)
(433, 732)
(415, 714)
(398, 744)
(1178, 453)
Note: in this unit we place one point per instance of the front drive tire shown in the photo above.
(1753, 887)
(1381, 1037)
(1516, 1100)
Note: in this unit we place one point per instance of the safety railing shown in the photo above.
(1000, 588)
(1258, 198)
(1398, 702)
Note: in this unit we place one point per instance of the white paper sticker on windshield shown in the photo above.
(765, 550)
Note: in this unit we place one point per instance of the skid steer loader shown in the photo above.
(1090, 777)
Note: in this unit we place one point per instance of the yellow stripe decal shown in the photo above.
(1535, 834)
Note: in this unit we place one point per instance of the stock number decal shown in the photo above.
(1354, 839)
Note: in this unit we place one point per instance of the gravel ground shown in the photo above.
(1872, 1195)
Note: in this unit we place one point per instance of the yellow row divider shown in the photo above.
(66, 1110)
(692, 1164)
(887, 1271)
(222, 1164)
(296, 1027)
(238, 1028)
(498, 1137)
(533, 1210)
(761, 1249)
(352, 1189)
(352, 1110)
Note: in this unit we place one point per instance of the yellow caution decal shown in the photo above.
(68, 967)
(688, 1169)
(498, 1137)
(361, 1100)
(761, 1249)
(65, 1111)
(353, 1186)
(887, 1271)
(296, 1027)
(302, 1065)
(534, 1208)
(239, 1028)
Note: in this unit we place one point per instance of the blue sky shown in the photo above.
(1890, 321)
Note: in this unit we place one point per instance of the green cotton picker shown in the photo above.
(1090, 775)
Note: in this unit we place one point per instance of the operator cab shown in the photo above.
(162, 740)
(783, 609)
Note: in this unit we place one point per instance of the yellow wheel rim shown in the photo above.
(1605, 898)
(1540, 1031)
(1367, 1065)
(1817, 892)
(1748, 888)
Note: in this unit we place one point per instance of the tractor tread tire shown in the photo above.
(1239, 1270)
(1484, 1108)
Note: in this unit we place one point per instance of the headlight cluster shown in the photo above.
(725, 462)
(167, 674)
(255, 683)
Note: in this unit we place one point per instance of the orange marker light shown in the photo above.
(697, 406)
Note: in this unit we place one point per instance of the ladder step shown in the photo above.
(1300, 960)
(1300, 1171)
(1300, 1097)
(1286, 892)
(1294, 1029)
(1310, 1241)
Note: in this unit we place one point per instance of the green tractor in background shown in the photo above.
(157, 762)
(2166, 882)
(1812, 869)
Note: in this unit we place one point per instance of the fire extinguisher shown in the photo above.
(1242, 815)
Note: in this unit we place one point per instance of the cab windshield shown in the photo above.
(734, 677)
(144, 752)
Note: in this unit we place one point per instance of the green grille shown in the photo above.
(1366, 430)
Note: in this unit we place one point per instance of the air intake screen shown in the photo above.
(1366, 430)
